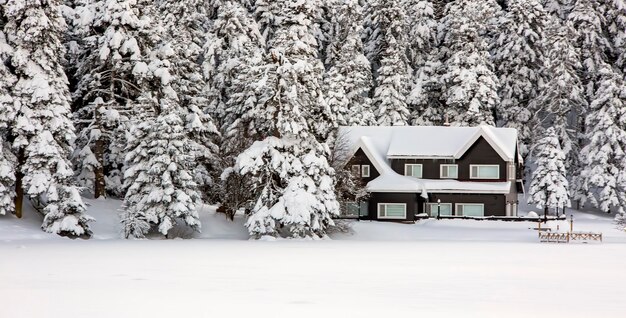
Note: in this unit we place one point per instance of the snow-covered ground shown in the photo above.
(447, 268)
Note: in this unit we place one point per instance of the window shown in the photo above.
(470, 209)
(391, 210)
(431, 209)
(356, 170)
(484, 172)
(356, 209)
(413, 170)
(361, 170)
(365, 171)
(449, 171)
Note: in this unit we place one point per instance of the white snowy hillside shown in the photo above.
(439, 268)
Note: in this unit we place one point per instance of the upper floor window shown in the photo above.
(361, 170)
(449, 171)
(484, 172)
(413, 170)
(365, 171)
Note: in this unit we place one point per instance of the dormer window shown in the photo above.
(362, 171)
(413, 170)
(484, 172)
(365, 171)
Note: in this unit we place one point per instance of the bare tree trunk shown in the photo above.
(99, 182)
(19, 189)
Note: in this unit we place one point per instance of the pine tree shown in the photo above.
(561, 99)
(7, 179)
(288, 172)
(393, 77)
(42, 132)
(602, 181)
(519, 55)
(588, 19)
(549, 185)
(423, 99)
(185, 24)
(112, 72)
(616, 21)
(349, 79)
(160, 188)
(559, 8)
(469, 85)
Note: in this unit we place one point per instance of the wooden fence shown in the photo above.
(553, 237)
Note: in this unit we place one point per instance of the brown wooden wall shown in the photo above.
(495, 204)
(480, 152)
(410, 199)
(360, 158)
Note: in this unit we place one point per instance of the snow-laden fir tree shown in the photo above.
(185, 24)
(561, 99)
(7, 115)
(393, 78)
(519, 56)
(549, 185)
(288, 172)
(422, 54)
(559, 8)
(7, 178)
(115, 46)
(371, 34)
(602, 181)
(588, 18)
(42, 132)
(616, 21)
(234, 39)
(161, 191)
(469, 84)
(348, 81)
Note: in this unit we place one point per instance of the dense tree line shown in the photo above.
(170, 103)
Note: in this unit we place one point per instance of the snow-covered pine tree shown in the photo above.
(7, 115)
(616, 21)
(42, 132)
(7, 178)
(559, 8)
(549, 185)
(519, 56)
(393, 78)
(588, 18)
(602, 181)
(185, 24)
(115, 48)
(349, 79)
(234, 39)
(371, 34)
(561, 99)
(469, 85)
(161, 191)
(290, 177)
(422, 34)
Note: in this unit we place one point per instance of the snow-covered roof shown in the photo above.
(380, 143)
(431, 142)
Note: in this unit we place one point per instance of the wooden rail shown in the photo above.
(552, 237)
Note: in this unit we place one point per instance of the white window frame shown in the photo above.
(456, 208)
(363, 174)
(446, 166)
(472, 176)
(434, 205)
(406, 165)
(356, 170)
(390, 217)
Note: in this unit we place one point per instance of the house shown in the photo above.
(413, 171)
